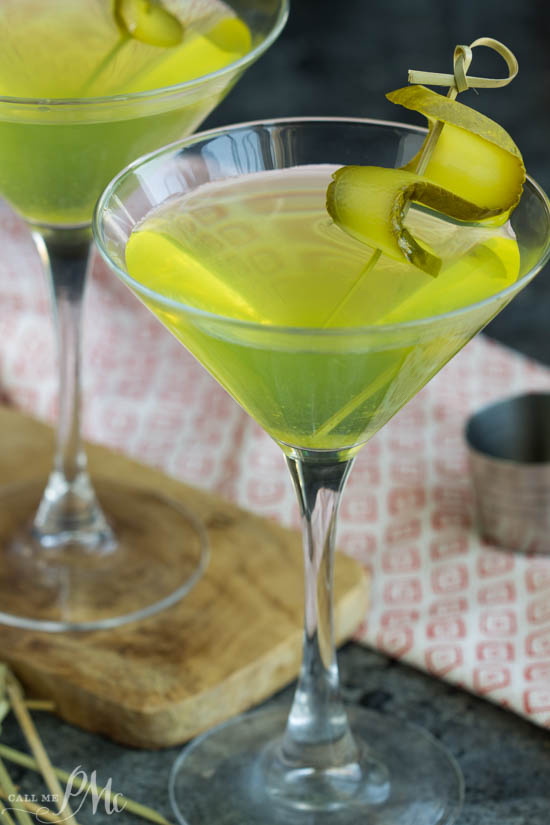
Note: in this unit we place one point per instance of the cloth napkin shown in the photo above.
(442, 600)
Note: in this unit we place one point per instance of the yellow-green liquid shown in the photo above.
(55, 160)
(297, 295)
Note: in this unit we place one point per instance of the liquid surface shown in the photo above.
(54, 161)
(68, 49)
(263, 249)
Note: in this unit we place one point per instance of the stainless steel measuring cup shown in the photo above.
(509, 446)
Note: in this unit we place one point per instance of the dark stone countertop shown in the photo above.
(505, 760)
(340, 59)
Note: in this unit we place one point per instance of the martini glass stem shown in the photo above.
(317, 733)
(318, 765)
(69, 511)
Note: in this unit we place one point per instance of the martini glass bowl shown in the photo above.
(321, 392)
(77, 556)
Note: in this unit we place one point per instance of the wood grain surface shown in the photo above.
(230, 643)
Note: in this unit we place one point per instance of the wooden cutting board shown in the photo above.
(230, 643)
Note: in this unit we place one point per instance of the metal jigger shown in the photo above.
(509, 445)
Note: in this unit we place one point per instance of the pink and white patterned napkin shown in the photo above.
(442, 600)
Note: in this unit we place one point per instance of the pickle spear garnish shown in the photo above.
(371, 203)
(473, 156)
(468, 169)
(144, 20)
(149, 22)
(378, 218)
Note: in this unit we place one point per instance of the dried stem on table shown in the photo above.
(40, 762)
(459, 81)
(9, 789)
(15, 695)
(131, 805)
(40, 704)
(5, 817)
(43, 813)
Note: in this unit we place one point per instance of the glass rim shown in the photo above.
(378, 329)
(162, 91)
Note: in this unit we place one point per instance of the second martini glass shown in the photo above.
(270, 317)
(71, 559)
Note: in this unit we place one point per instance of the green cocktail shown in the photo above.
(85, 87)
(262, 248)
(227, 239)
(55, 161)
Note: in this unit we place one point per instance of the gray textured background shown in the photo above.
(339, 58)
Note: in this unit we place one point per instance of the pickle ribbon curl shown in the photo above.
(390, 191)
(466, 161)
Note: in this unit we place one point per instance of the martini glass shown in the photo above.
(88, 555)
(321, 390)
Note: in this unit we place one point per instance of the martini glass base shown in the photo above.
(409, 779)
(159, 552)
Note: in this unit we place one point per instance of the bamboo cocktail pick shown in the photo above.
(459, 81)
